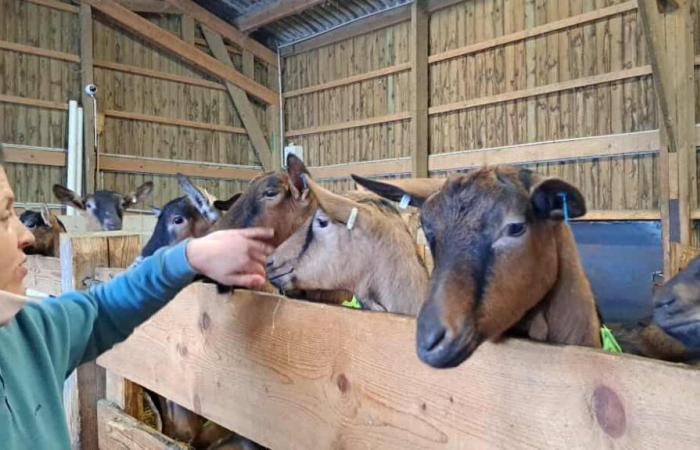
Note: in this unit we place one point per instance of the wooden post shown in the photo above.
(81, 254)
(239, 97)
(420, 88)
(669, 39)
(273, 120)
(87, 77)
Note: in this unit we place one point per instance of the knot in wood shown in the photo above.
(609, 411)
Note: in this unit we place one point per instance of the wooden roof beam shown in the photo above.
(149, 6)
(277, 10)
(184, 50)
(226, 30)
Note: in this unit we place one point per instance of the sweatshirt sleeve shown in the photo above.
(79, 326)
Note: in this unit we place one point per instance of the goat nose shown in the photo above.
(270, 263)
(428, 340)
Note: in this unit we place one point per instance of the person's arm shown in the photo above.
(79, 326)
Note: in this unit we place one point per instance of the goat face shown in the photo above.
(46, 229)
(677, 308)
(491, 235)
(277, 200)
(105, 207)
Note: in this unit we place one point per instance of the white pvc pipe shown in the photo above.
(79, 154)
(72, 149)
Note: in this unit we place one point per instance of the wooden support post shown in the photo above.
(273, 120)
(669, 39)
(418, 45)
(187, 27)
(87, 77)
(81, 254)
(240, 99)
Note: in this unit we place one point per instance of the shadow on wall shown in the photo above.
(619, 259)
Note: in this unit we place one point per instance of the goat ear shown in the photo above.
(297, 171)
(46, 215)
(547, 198)
(335, 206)
(142, 192)
(225, 205)
(418, 189)
(199, 199)
(68, 197)
(156, 211)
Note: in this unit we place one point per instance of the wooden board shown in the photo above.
(352, 379)
(117, 430)
(44, 274)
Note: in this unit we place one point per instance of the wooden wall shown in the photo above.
(35, 77)
(492, 87)
(157, 110)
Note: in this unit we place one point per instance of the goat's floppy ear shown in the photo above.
(418, 189)
(297, 172)
(68, 197)
(200, 200)
(141, 193)
(339, 208)
(225, 205)
(547, 198)
(156, 211)
(46, 215)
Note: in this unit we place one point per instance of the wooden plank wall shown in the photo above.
(611, 45)
(36, 77)
(141, 92)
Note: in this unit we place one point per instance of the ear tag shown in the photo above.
(351, 220)
(405, 201)
(565, 206)
(303, 180)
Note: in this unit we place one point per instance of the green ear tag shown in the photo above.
(354, 303)
(610, 344)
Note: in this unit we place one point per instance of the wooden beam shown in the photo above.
(396, 117)
(578, 83)
(366, 169)
(118, 430)
(149, 6)
(240, 99)
(35, 102)
(38, 51)
(185, 51)
(574, 21)
(273, 118)
(669, 40)
(174, 121)
(349, 80)
(87, 77)
(26, 154)
(621, 214)
(135, 70)
(419, 84)
(311, 376)
(226, 30)
(120, 163)
(43, 274)
(55, 4)
(272, 13)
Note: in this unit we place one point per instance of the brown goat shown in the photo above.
(505, 262)
(46, 229)
(376, 259)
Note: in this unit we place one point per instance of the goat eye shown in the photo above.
(270, 194)
(322, 223)
(178, 220)
(516, 229)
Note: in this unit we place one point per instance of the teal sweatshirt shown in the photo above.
(45, 341)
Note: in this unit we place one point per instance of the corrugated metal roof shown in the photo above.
(318, 19)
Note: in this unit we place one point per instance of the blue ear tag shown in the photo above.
(303, 180)
(565, 206)
(405, 201)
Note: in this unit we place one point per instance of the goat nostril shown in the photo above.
(666, 303)
(270, 263)
(433, 338)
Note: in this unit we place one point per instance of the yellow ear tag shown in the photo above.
(610, 344)
(352, 303)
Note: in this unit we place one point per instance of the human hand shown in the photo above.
(232, 257)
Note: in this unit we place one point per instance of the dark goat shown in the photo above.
(46, 229)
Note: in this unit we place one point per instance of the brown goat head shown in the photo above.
(46, 229)
(278, 200)
(106, 208)
(503, 258)
(677, 308)
(331, 251)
